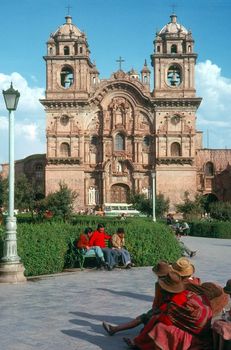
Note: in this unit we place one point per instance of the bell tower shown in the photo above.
(175, 106)
(70, 73)
(174, 61)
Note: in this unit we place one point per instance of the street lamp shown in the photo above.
(11, 270)
(154, 195)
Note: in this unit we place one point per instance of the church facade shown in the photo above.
(108, 138)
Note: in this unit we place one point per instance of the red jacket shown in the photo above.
(83, 241)
(98, 239)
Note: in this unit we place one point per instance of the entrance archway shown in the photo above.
(120, 193)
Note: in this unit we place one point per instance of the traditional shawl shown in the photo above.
(194, 316)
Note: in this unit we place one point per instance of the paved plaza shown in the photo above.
(66, 311)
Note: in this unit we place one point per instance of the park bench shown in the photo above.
(78, 255)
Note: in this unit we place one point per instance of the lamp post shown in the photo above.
(154, 195)
(11, 270)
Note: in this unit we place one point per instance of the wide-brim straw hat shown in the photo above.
(227, 288)
(172, 283)
(162, 268)
(183, 267)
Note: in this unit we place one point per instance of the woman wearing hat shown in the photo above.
(161, 270)
(182, 319)
(186, 269)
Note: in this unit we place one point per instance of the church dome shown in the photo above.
(173, 27)
(68, 30)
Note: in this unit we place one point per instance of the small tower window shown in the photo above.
(146, 141)
(66, 50)
(189, 48)
(146, 81)
(173, 48)
(67, 77)
(50, 51)
(65, 149)
(175, 149)
(158, 48)
(119, 142)
(209, 169)
(80, 50)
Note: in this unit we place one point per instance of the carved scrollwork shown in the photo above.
(175, 160)
(57, 161)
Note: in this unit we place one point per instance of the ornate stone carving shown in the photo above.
(57, 161)
(172, 160)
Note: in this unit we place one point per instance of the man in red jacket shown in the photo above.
(98, 239)
(83, 243)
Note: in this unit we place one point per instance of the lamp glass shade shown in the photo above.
(11, 98)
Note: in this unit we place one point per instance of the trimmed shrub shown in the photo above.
(213, 229)
(44, 248)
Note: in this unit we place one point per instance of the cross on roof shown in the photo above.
(68, 7)
(174, 8)
(120, 60)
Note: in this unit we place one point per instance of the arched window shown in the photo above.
(173, 48)
(66, 50)
(209, 169)
(65, 149)
(50, 51)
(175, 149)
(189, 48)
(174, 75)
(38, 171)
(119, 142)
(158, 48)
(67, 77)
(64, 120)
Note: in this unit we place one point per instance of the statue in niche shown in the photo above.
(120, 111)
(119, 168)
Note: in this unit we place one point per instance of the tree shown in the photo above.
(24, 194)
(220, 211)
(145, 205)
(3, 193)
(191, 208)
(59, 203)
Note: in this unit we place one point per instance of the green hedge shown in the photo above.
(44, 248)
(215, 229)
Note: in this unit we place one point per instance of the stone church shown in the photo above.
(108, 138)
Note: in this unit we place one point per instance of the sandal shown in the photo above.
(107, 328)
(130, 344)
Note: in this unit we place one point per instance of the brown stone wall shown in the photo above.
(69, 175)
(172, 182)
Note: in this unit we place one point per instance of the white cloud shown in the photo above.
(3, 123)
(29, 119)
(29, 97)
(214, 114)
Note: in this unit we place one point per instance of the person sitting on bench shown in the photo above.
(118, 243)
(83, 243)
(98, 239)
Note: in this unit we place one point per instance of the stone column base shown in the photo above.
(12, 273)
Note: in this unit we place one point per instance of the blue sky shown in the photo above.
(114, 28)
